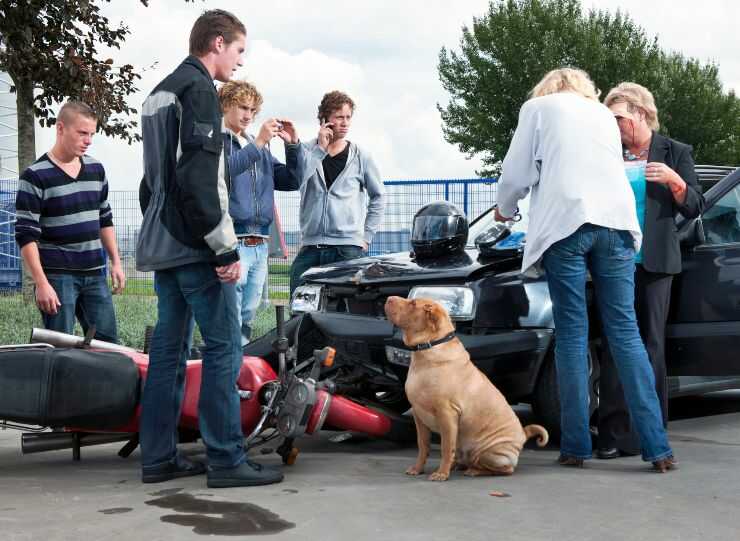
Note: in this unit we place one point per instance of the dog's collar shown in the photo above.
(430, 345)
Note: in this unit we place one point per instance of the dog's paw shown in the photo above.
(472, 472)
(439, 476)
(414, 470)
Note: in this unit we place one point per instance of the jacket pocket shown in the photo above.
(344, 218)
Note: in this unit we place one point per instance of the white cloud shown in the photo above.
(383, 53)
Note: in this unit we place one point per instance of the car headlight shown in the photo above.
(306, 298)
(458, 301)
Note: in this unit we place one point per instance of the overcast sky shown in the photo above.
(383, 53)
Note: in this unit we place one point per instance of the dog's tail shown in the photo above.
(539, 431)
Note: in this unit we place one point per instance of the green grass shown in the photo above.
(133, 314)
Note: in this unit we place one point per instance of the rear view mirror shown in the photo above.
(693, 233)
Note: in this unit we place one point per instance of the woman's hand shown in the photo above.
(662, 174)
(499, 217)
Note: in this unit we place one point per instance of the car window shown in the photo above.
(722, 221)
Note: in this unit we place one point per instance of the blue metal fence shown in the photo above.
(404, 198)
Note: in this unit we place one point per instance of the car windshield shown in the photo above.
(485, 221)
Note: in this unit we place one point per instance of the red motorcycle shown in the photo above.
(88, 392)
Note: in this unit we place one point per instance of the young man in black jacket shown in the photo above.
(187, 238)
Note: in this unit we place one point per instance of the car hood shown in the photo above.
(401, 267)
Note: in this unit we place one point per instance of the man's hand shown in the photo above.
(117, 278)
(46, 298)
(326, 135)
(229, 274)
(365, 246)
(499, 217)
(288, 132)
(269, 129)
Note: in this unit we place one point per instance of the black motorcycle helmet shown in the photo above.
(439, 229)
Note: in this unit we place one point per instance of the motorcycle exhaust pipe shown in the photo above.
(32, 442)
(63, 340)
(340, 413)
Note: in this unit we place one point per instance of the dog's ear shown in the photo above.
(432, 317)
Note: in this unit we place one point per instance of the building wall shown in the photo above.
(10, 272)
(8, 130)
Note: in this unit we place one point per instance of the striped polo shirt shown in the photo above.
(64, 215)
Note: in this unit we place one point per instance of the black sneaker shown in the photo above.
(247, 474)
(180, 467)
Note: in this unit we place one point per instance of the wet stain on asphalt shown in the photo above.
(290, 491)
(231, 518)
(8, 509)
(115, 510)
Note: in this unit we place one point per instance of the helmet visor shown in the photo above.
(429, 228)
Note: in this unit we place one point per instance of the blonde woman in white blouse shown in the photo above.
(567, 152)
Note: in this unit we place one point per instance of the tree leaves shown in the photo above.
(508, 50)
(53, 44)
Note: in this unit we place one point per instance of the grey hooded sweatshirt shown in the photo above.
(348, 213)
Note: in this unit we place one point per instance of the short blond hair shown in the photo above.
(71, 109)
(566, 80)
(637, 97)
(235, 93)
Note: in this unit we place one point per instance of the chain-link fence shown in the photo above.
(136, 307)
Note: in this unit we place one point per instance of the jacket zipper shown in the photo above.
(328, 189)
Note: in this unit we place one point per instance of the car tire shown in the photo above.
(546, 398)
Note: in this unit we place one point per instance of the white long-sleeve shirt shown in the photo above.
(567, 151)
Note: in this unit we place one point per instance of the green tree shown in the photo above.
(50, 50)
(508, 50)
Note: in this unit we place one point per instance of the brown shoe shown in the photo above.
(567, 460)
(665, 464)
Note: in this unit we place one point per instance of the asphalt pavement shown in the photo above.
(356, 490)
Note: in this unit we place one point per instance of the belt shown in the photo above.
(250, 241)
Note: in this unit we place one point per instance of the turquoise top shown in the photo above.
(636, 174)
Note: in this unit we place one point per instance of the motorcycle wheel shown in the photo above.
(393, 400)
(546, 399)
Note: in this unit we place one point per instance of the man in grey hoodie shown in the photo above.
(342, 194)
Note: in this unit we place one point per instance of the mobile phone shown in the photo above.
(324, 121)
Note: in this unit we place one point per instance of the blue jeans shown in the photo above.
(249, 289)
(187, 293)
(87, 297)
(609, 256)
(313, 256)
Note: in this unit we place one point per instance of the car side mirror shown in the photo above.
(693, 234)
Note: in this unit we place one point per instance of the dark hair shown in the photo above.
(210, 25)
(332, 101)
(73, 108)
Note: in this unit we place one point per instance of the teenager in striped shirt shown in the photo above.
(64, 228)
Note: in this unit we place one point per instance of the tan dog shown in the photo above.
(449, 395)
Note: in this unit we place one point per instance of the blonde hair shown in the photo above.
(637, 97)
(566, 80)
(235, 93)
